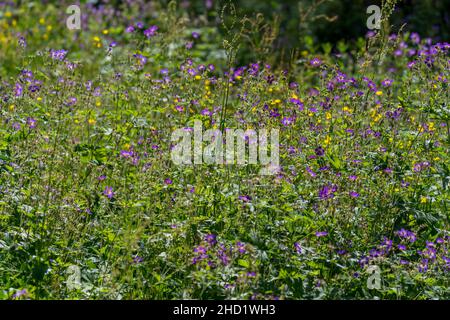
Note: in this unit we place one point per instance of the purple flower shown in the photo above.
(167, 181)
(387, 83)
(126, 153)
(245, 198)
(423, 266)
(130, 29)
(16, 126)
(150, 32)
(401, 247)
(406, 234)
(18, 90)
(211, 239)
(415, 38)
(31, 123)
(354, 194)
(321, 233)
(241, 247)
(109, 192)
(297, 247)
(319, 151)
(58, 54)
(315, 62)
(310, 171)
(195, 35)
(19, 293)
(327, 191)
(286, 121)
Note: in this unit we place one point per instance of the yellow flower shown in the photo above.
(328, 115)
(423, 199)
(91, 121)
(96, 39)
(105, 31)
(98, 103)
(8, 14)
(39, 99)
(11, 107)
(347, 109)
(126, 146)
(327, 140)
(431, 126)
(198, 77)
(49, 28)
(379, 93)
(42, 21)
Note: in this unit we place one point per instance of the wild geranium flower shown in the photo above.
(19, 293)
(423, 266)
(327, 191)
(415, 38)
(406, 234)
(245, 198)
(168, 181)
(130, 29)
(387, 83)
(315, 62)
(109, 192)
(58, 54)
(310, 171)
(150, 32)
(31, 123)
(141, 60)
(126, 153)
(286, 121)
(211, 239)
(319, 151)
(222, 255)
(354, 194)
(16, 126)
(241, 247)
(18, 90)
(195, 35)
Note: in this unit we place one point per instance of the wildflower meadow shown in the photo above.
(183, 150)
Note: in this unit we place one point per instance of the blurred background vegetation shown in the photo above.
(278, 30)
